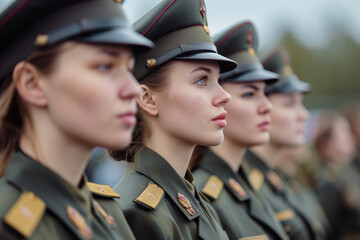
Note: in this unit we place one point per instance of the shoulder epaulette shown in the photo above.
(102, 190)
(258, 237)
(285, 215)
(256, 178)
(151, 196)
(25, 215)
(213, 187)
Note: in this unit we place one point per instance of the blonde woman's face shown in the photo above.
(91, 95)
(288, 119)
(248, 113)
(191, 108)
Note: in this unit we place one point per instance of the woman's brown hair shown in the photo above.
(13, 111)
(156, 81)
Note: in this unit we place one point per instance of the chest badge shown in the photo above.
(186, 204)
(79, 222)
(237, 187)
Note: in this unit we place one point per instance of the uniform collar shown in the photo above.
(217, 166)
(156, 168)
(28, 175)
(272, 177)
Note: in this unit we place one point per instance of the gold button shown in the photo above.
(41, 40)
(150, 63)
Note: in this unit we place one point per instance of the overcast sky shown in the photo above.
(312, 21)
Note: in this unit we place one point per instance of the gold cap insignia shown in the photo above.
(103, 190)
(251, 51)
(288, 70)
(186, 204)
(41, 40)
(150, 63)
(275, 180)
(104, 214)
(79, 222)
(151, 196)
(25, 214)
(203, 14)
(237, 187)
(256, 179)
(213, 187)
(118, 1)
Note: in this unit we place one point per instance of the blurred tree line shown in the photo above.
(333, 71)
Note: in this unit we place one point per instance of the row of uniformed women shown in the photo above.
(67, 86)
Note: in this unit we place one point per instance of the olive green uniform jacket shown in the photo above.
(159, 204)
(242, 212)
(306, 199)
(338, 190)
(268, 183)
(35, 203)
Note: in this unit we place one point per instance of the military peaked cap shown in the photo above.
(278, 61)
(179, 30)
(27, 26)
(240, 43)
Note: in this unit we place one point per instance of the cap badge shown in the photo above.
(104, 214)
(285, 58)
(237, 187)
(288, 70)
(150, 63)
(79, 222)
(41, 40)
(186, 204)
(251, 51)
(250, 37)
(203, 13)
(118, 1)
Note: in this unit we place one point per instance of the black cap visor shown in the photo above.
(289, 85)
(250, 73)
(225, 64)
(124, 35)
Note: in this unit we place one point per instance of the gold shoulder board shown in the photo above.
(25, 215)
(102, 190)
(256, 179)
(213, 187)
(151, 196)
(285, 215)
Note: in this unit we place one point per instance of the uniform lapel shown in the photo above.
(29, 175)
(156, 168)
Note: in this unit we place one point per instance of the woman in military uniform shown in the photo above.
(66, 87)
(243, 213)
(181, 105)
(287, 129)
(336, 180)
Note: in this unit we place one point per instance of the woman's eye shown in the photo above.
(202, 81)
(104, 67)
(247, 95)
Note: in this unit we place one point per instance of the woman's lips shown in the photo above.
(264, 126)
(129, 118)
(220, 119)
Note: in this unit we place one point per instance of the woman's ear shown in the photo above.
(147, 101)
(28, 85)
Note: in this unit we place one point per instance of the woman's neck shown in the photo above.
(268, 153)
(53, 149)
(232, 153)
(176, 152)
